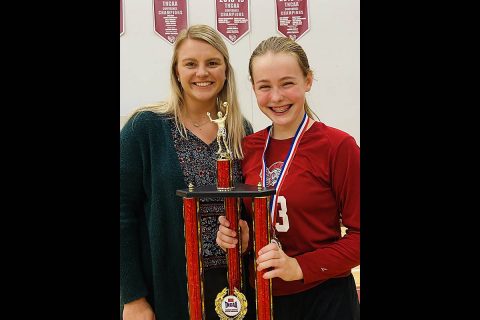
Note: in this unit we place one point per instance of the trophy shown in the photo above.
(230, 303)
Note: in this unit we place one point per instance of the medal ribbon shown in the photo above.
(286, 164)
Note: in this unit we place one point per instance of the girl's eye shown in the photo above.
(189, 64)
(286, 84)
(263, 87)
(213, 63)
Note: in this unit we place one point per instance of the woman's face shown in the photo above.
(202, 71)
(280, 87)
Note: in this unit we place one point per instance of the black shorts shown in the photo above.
(334, 299)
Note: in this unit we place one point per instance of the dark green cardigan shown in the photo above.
(152, 245)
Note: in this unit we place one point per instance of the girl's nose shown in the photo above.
(276, 95)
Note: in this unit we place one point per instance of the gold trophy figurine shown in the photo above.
(222, 132)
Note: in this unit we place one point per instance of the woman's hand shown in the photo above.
(138, 309)
(227, 238)
(283, 266)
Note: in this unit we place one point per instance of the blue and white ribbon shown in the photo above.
(286, 164)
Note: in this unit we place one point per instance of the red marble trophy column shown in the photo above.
(224, 175)
(224, 183)
(233, 255)
(261, 226)
(193, 254)
(231, 304)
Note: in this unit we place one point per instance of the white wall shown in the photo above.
(332, 45)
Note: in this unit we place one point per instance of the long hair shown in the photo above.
(176, 101)
(283, 45)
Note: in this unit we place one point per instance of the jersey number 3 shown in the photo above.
(282, 213)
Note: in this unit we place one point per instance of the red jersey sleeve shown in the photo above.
(336, 259)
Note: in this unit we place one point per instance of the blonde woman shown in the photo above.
(163, 147)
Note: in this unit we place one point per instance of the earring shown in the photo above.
(178, 78)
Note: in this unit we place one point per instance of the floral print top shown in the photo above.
(198, 163)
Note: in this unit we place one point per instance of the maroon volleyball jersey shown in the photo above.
(321, 187)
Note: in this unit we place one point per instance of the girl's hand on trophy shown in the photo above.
(277, 264)
(245, 234)
(227, 238)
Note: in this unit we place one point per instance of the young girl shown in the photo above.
(316, 172)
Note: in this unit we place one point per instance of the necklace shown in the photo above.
(201, 120)
(198, 125)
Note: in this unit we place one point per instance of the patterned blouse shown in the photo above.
(198, 163)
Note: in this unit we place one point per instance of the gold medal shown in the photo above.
(231, 307)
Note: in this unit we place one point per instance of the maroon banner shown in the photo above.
(232, 18)
(170, 17)
(121, 18)
(292, 18)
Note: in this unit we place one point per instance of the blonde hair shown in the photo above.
(175, 103)
(283, 45)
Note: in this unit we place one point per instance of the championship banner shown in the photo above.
(232, 18)
(292, 18)
(170, 17)
(122, 18)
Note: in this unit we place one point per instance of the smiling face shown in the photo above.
(280, 85)
(202, 72)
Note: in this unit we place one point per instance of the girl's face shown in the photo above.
(280, 87)
(202, 71)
